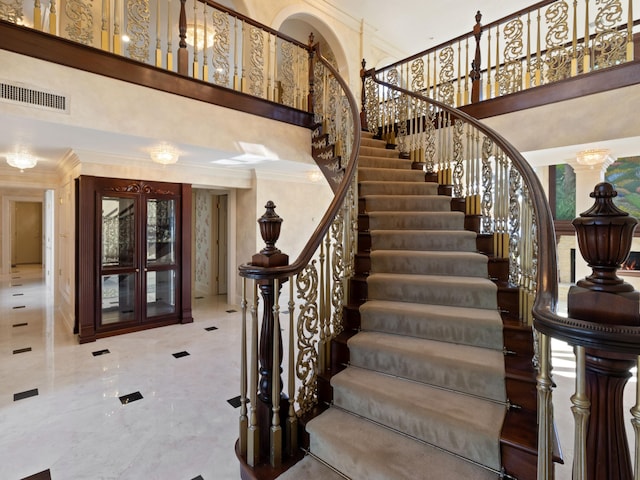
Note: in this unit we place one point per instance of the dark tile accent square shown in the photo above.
(100, 352)
(181, 354)
(131, 397)
(235, 401)
(26, 394)
(16, 285)
(18, 294)
(210, 329)
(231, 311)
(20, 324)
(22, 350)
(19, 306)
(44, 475)
(199, 477)
(199, 298)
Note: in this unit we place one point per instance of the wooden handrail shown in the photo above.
(265, 273)
(254, 23)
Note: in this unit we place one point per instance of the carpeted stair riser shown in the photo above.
(375, 151)
(383, 162)
(373, 174)
(468, 326)
(363, 450)
(465, 425)
(397, 188)
(418, 203)
(461, 368)
(416, 220)
(439, 240)
(434, 289)
(465, 264)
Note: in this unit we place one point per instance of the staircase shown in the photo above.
(424, 391)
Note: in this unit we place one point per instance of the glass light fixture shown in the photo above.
(592, 156)
(21, 159)
(164, 154)
(197, 32)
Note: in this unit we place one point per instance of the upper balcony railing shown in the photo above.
(202, 40)
(549, 41)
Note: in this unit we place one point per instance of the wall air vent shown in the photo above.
(31, 96)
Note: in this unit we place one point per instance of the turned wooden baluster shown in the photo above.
(604, 237)
(183, 53)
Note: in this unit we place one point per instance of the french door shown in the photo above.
(138, 267)
(132, 241)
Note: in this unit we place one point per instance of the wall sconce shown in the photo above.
(21, 159)
(164, 154)
(592, 156)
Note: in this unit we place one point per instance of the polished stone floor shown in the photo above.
(147, 405)
(61, 412)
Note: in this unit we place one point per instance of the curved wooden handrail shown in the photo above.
(270, 273)
(547, 276)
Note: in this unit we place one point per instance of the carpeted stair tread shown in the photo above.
(363, 450)
(469, 326)
(461, 368)
(372, 142)
(433, 203)
(440, 240)
(375, 151)
(466, 425)
(466, 264)
(377, 161)
(310, 469)
(434, 289)
(392, 174)
(397, 220)
(397, 188)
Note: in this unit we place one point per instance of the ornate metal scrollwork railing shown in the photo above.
(201, 39)
(317, 289)
(549, 41)
(499, 191)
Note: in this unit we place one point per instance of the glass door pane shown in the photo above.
(161, 269)
(161, 231)
(161, 293)
(118, 298)
(119, 267)
(118, 232)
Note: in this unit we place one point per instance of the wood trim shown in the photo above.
(597, 81)
(186, 315)
(43, 46)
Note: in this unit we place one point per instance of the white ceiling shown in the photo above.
(425, 22)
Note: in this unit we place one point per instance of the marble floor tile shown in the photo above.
(77, 427)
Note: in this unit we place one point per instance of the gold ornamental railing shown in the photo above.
(197, 38)
(310, 293)
(549, 41)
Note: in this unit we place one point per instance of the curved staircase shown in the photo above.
(418, 378)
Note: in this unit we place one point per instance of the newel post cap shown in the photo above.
(270, 223)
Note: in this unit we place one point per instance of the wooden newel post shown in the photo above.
(604, 237)
(269, 256)
(312, 65)
(363, 97)
(183, 53)
(476, 77)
